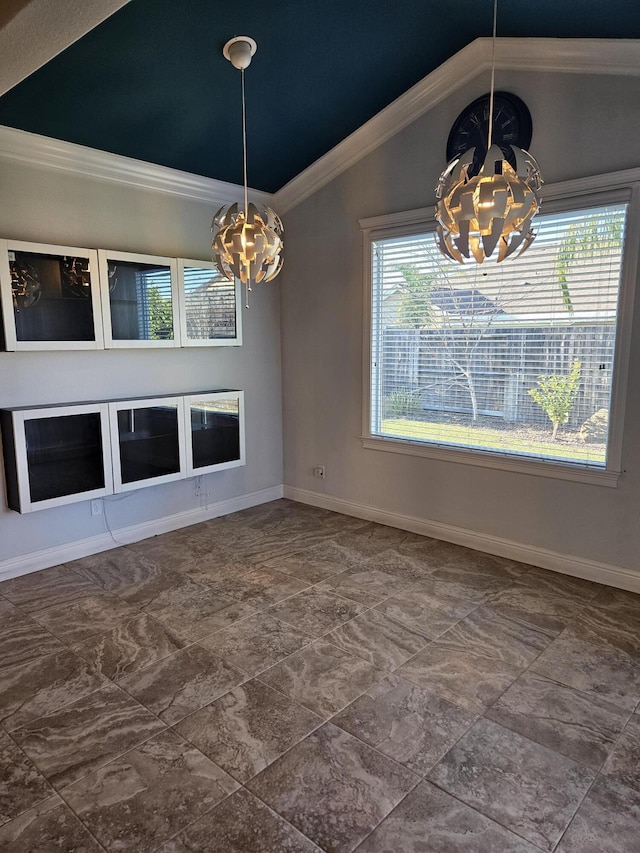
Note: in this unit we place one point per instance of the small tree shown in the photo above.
(556, 395)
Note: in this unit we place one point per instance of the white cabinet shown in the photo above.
(210, 306)
(214, 431)
(50, 297)
(140, 302)
(56, 455)
(148, 442)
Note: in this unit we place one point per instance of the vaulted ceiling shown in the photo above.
(150, 81)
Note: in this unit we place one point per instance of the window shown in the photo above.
(511, 361)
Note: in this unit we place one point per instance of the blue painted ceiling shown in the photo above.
(151, 83)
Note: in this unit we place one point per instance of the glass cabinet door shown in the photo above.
(210, 311)
(148, 442)
(61, 455)
(50, 297)
(139, 300)
(215, 431)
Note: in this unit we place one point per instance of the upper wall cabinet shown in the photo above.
(210, 310)
(50, 297)
(140, 303)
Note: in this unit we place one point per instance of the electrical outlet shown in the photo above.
(319, 471)
(96, 507)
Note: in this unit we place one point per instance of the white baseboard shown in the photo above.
(37, 560)
(616, 576)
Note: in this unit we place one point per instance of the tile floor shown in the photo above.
(289, 679)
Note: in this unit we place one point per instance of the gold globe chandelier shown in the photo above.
(481, 207)
(247, 244)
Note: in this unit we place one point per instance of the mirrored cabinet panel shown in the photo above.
(56, 455)
(139, 300)
(50, 297)
(210, 310)
(214, 431)
(148, 442)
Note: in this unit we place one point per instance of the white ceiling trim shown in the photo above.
(43, 152)
(576, 56)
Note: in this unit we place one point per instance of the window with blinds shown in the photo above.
(210, 304)
(514, 358)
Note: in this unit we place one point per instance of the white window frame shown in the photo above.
(104, 256)
(185, 340)
(565, 196)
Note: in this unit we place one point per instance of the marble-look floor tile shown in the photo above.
(429, 820)
(541, 609)
(22, 639)
(256, 643)
(200, 613)
(316, 613)
(261, 588)
(130, 646)
(49, 827)
(619, 601)
(405, 567)
(182, 683)
(607, 627)
(170, 553)
(44, 685)
(82, 619)
(365, 585)
(158, 590)
(248, 728)
(322, 677)
(623, 764)
(370, 539)
(406, 722)
(606, 822)
(426, 611)
(374, 637)
(48, 588)
(578, 725)
(241, 824)
(86, 734)
(115, 570)
(333, 788)
(607, 672)
(21, 786)
(496, 636)
(305, 567)
(527, 788)
(149, 794)
(554, 582)
(470, 680)
(469, 583)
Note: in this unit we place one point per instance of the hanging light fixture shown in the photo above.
(484, 204)
(247, 244)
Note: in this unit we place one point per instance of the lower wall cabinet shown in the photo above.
(56, 455)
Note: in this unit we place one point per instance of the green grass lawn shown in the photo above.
(492, 439)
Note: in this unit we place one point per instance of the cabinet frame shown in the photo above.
(11, 342)
(106, 255)
(146, 403)
(185, 340)
(18, 419)
(219, 466)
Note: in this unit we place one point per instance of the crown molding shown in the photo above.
(574, 56)
(47, 153)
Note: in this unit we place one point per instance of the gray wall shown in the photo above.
(582, 126)
(61, 208)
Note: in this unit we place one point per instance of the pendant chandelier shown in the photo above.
(247, 243)
(488, 204)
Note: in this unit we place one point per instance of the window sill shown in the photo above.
(487, 459)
